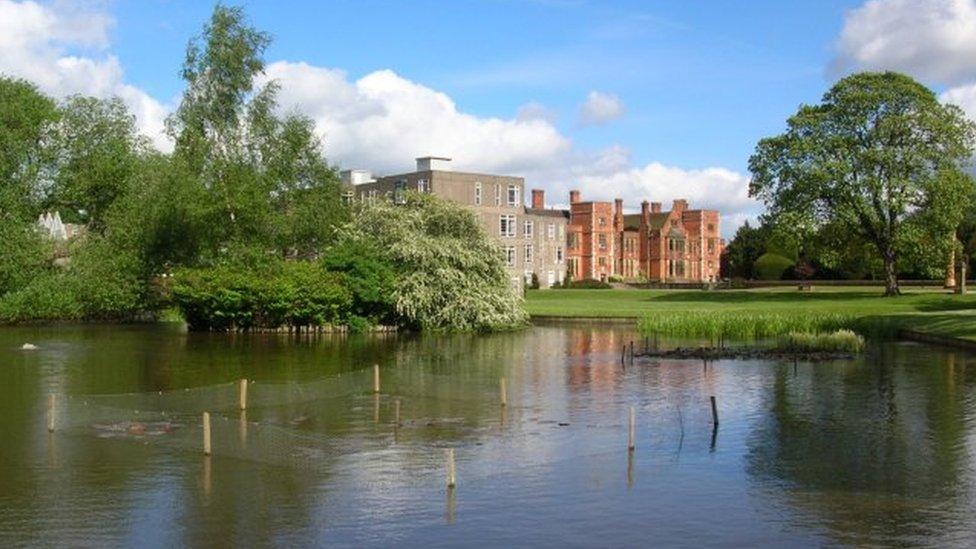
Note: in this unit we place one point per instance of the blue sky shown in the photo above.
(701, 81)
(655, 100)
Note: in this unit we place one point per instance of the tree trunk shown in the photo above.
(961, 286)
(891, 274)
(950, 275)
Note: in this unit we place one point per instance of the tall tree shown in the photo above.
(877, 153)
(258, 168)
(25, 113)
(742, 252)
(95, 151)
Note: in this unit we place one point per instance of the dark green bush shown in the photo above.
(290, 293)
(369, 277)
(771, 266)
(585, 284)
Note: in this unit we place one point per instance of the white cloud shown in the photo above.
(600, 108)
(535, 111)
(35, 41)
(963, 96)
(930, 39)
(382, 121)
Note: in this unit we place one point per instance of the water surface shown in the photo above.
(873, 451)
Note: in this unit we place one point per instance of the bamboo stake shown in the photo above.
(503, 392)
(242, 393)
(50, 413)
(376, 378)
(632, 431)
(451, 471)
(206, 433)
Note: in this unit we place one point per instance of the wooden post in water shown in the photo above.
(376, 378)
(50, 413)
(714, 412)
(242, 393)
(396, 413)
(632, 431)
(206, 433)
(632, 351)
(451, 471)
(623, 355)
(503, 392)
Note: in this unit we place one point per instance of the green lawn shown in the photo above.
(931, 310)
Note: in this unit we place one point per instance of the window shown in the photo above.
(602, 239)
(510, 256)
(477, 193)
(572, 240)
(506, 225)
(399, 188)
(603, 221)
(423, 185)
(528, 228)
(601, 261)
(559, 254)
(711, 245)
(498, 194)
(711, 228)
(528, 253)
(513, 195)
(551, 231)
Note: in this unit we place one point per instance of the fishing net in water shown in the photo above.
(311, 425)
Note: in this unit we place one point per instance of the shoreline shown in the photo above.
(905, 334)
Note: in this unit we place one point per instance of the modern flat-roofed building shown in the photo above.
(532, 239)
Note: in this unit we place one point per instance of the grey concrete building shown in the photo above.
(532, 239)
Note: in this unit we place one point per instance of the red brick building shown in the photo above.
(680, 245)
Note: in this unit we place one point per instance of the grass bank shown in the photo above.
(767, 311)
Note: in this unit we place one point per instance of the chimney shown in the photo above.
(655, 207)
(538, 199)
(618, 206)
(430, 163)
(680, 205)
(574, 196)
(645, 210)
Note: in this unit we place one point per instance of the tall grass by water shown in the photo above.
(742, 325)
(841, 341)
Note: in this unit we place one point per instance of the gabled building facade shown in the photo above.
(680, 245)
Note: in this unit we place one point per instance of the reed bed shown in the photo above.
(841, 341)
(731, 325)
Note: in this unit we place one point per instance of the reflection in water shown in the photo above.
(871, 451)
(451, 507)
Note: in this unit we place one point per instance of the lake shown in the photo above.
(880, 450)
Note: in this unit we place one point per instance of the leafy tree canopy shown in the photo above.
(880, 156)
(450, 274)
